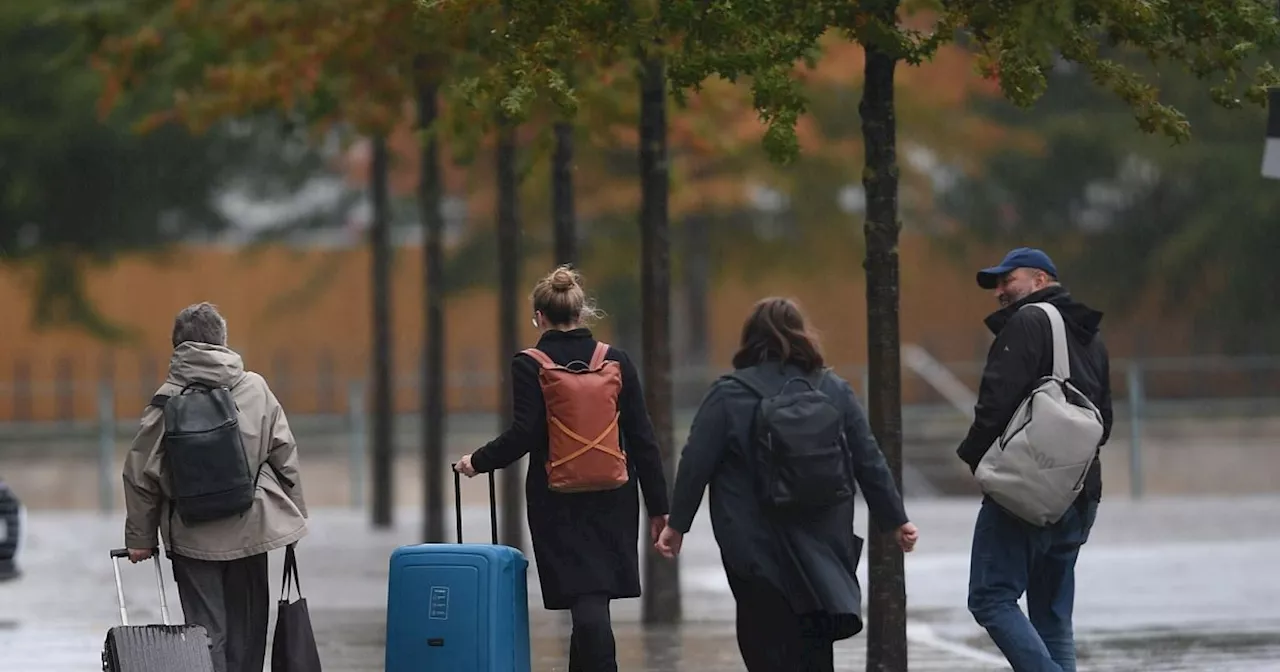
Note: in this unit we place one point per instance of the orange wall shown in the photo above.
(284, 331)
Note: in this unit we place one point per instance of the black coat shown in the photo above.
(813, 561)
(584, 543)
(1022, 354)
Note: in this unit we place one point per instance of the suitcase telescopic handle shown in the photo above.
(457, 504)
(118, 553)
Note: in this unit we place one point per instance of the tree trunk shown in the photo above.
(662, 577)
(887, 599)
(383, 450)
(562, 213)
(697, 287)
(508, 280)
(433, 371)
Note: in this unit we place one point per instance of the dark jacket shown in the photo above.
(584, 543)
(1022, 354)
(813, 561)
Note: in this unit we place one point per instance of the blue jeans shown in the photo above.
(1010, 557)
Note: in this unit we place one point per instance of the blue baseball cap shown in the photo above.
(1022, 257)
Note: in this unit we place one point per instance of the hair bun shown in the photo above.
(561, 300)
(564, 279)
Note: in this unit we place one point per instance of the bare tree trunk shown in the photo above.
(383, 450)
(662, 577)
(433, 371)
(562, 211)
(508, 280)
(887, 599)
(697, 288)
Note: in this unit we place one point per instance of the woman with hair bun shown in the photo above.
(579, 413)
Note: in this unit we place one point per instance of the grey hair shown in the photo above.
(201, 323)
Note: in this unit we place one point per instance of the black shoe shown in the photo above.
(9, 570)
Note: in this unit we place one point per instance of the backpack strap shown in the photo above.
(540, 357)
(1058, 330)
(597, 357)
(159, 400)
(816, 383)
(198, 385)
(746, 379)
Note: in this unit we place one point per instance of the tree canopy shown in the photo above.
(1019, 43)
(77, 190)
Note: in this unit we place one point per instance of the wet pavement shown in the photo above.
(1186, 584)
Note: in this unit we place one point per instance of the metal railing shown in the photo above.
(1248, 387)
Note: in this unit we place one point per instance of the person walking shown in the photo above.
(579, 413)
(784, 444)
(1009, 556)
(223, 504)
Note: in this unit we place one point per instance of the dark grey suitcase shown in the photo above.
(153, 648)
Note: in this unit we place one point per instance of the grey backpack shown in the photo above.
(1037, 467)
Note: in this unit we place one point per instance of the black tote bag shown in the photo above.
(294, 647)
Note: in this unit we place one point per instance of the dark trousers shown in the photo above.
(1010, 557)
(591, 646)
(232, 601)
(771, 637)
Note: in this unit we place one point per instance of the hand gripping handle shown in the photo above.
(457, 504)
(118, 553)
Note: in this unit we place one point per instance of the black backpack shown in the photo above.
(204, 454)
(800, 451)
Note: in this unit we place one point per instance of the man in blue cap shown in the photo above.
(1010, 556)
(1016, 275)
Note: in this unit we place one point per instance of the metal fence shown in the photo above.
(73, 389)
(332, 411)
(321, 387)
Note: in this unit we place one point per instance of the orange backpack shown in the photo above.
(584, 453)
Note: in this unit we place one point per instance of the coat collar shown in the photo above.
(1080, 319)
(205, 363)
(996, 321)
(570, 335)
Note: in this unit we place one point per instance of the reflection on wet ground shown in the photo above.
(353, 643)
(1234, 651)
(1163, 586)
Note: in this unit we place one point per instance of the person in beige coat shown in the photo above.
(220, 566)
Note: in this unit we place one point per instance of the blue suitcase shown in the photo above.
(458, 607)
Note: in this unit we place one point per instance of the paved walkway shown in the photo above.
(1163, 585)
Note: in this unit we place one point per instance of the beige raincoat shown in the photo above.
(278, 515)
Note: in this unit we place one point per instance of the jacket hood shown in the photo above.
(205, 363)
(1081, 320)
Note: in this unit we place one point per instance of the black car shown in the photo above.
(11, 521)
